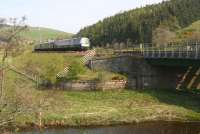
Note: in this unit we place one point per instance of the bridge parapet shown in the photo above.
(189, 51)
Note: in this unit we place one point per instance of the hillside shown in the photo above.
(191, 32)
(137, 25)
(35, 33)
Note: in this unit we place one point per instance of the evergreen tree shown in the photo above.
(137, 25)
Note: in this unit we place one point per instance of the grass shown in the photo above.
(48, 65)
(34, 33)
(37, 33)
(192, 32)
(98, 108)
(64, 108)
(193, 27)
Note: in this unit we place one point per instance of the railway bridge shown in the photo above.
(180, 57)
(171, 67)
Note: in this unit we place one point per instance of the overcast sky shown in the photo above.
(67, 15)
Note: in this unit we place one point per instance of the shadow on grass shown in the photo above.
(184, 99)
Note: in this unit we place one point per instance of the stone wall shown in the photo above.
(92, 85)
(116, 64)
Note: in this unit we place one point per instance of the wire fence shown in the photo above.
(31, 76)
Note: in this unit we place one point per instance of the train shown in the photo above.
(74, 44)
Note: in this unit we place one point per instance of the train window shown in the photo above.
(68, 42)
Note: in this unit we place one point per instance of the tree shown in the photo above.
(162, 36)
(9, 41)
(138, 24)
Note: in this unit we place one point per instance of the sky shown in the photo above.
(66, 15)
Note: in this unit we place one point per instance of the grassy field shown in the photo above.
(37, 33)
(34, 33)
(192, 32)
(64, 108)
(48, 65)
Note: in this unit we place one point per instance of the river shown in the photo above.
(143, 128)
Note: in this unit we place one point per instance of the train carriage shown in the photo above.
(63, 45)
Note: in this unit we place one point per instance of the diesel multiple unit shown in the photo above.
(62, 45)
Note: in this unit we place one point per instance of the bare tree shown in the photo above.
(162, 36)
(10, 40)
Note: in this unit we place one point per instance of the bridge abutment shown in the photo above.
(141, 74)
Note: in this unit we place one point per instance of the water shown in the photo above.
(143, 128)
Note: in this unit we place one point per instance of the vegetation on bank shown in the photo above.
(49, 65)
(140, 25)
(62, 108)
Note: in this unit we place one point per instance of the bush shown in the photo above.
(45, 65)
(118, 78)
(75, 68)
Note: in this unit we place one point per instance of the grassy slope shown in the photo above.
(194, 26)
(34, 33)
(90, 108)
(48, 65)
(188, 32)
(99, 108)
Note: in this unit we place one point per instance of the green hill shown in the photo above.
(35, 33)
(191, 32)
(137, 25)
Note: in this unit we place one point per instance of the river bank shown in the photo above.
(140, 128)
(74, 109)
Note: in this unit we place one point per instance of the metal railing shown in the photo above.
(188, 51)
(176, 50)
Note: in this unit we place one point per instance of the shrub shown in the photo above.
(75, 68)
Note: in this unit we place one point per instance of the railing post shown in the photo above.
(152, 55)
(187, 50)
(179, 51)
(141, 49)
(165, 49)
(196, 53)
(159, 53)
(172, 52)
(147, 51)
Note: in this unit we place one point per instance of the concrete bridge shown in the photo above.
(170, 67)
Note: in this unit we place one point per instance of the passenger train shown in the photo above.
(63, 45)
